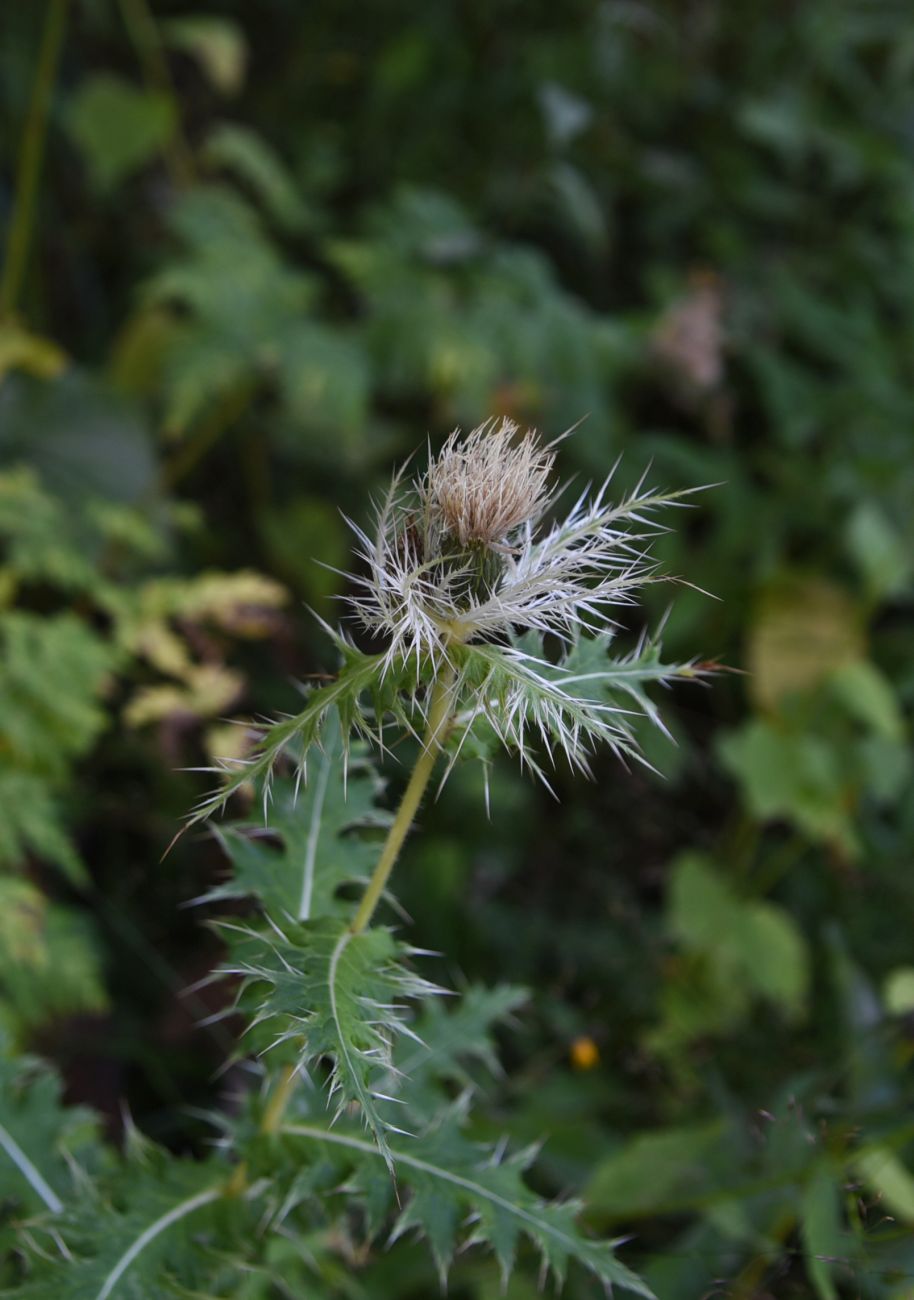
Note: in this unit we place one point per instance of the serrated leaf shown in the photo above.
(334, 995)
(316, 841)
(130, 1237)
(293, 737)
(452, 1181)
(38, 1136)
(450, 1036)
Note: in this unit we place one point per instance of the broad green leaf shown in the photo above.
(118, 126)
(748, 948)
(245, 154)
(654, 1172)
(792, 775)
(878, 550)
(868, 696)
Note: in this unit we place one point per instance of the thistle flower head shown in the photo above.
(463, 578)
(463, 552)
(484, 486)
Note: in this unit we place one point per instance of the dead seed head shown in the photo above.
(484, 485)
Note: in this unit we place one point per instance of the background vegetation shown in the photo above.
(253, 255)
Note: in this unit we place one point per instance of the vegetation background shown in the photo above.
(254, 254)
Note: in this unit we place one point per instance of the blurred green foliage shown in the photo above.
(264, 257)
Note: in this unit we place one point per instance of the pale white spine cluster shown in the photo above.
(462, 578)
(426, 588)
(463, 563)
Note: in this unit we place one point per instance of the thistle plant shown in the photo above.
(494, 624)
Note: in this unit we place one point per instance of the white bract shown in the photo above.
(462, 552)
(466, 573)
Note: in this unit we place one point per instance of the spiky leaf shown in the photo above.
(38, 1137)
(361, 697)
(445, 1181)
(316, 840)
(334, 995)
(143, 1231)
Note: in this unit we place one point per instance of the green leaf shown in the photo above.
(135, 1234)
(747, 949)
(49, 959)
(885, 1175)
(34, 822)
(448, 1039)
(118, 127)
(791, 775)
(293, 738)
(868, 696)
(653, 1172)
(22, 350)
(822, 1230)
(451, 1180)
(333, 994)
(39, 1138)
(316, 840)
(245, 154)
(898, 991)
(218, 45)
(878, 551)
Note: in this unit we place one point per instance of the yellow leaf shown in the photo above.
(803, 631)
(20, 350)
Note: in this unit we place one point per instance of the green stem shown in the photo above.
(439, 718)
(142, 29)
(28, 168)
(272, 1116)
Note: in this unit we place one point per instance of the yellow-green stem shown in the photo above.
(269, 1123)
(439, 717)
(30, 155)
(272, 1116)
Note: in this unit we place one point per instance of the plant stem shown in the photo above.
(439, 718)
(272, 1116)
(141, 27)
(29, 165)
(269, 1123)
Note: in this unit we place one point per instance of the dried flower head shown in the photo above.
(463, 552)
(486, 485)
